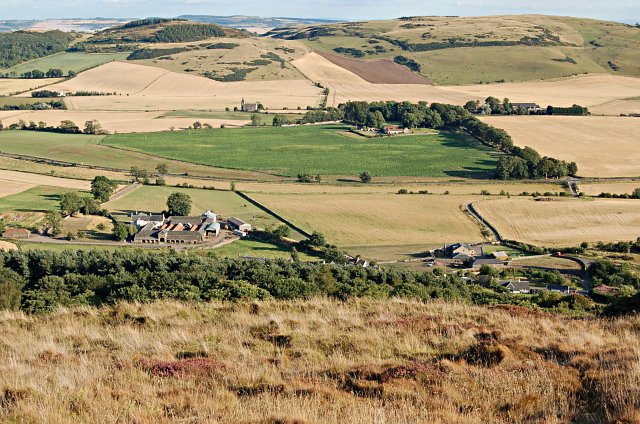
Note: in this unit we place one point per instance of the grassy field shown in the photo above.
(62, 247)
(601, 146)
(400, 222)
(353, 362)
(75, 62)
(256, 249)
(563, 222)
(318, 150)
(83, 149)
(225, 203)
(240, 118)
(36, 199)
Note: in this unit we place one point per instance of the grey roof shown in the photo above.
(237, 221)
(479, 262)
(147, 217)
(516, 285)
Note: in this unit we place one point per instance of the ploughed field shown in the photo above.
(318, 150)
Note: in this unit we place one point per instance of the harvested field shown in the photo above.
(563, 222)
(14, 86)
(9, 187)
(317, 68)
(377, 71)
(601, 146)
(377, 219)
(46, 180)
(116, 122)
(148, 88)
(622, 187)
(617, 107)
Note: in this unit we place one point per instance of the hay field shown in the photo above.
(601, 146)
(617, 107)
(9, 187)
(148, 88)
(36, 180)
(351, 220)
(116, 122)
(617, 187)
(563, 222)
(225, 203)
(9, 87)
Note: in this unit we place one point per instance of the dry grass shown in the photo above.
(616, 107)
(563, 222)
(622, 187)
(6, 246)
(317, 362)
(378, 219)
(601, 146)
(9, 187)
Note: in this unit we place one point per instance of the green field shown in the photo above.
(264, 118)
(256, 249)
(225, 203)
(318, 150)
(37, 199)
(76, 62)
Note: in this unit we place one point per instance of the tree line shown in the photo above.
(517, 163)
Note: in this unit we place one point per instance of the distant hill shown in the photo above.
(21, 46)
(161, 30)
(253, 23)
(465, 50)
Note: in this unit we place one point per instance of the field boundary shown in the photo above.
(272, 213)
(483, 222)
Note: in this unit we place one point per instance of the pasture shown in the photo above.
(563, 222)
(601, 146)
(76, 62)
(36, 199)
(362, 221)
(83, 149)
(318, 150)
(225, 203)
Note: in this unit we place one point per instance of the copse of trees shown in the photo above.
(102, 188)
(21, 46)
(518, 163)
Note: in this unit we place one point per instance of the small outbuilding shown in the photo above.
(238, 224)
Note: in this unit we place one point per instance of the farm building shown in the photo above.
(142, 219)
(238, 224)
(395, 130)
(178, 229)
(529, 107)
(462, 250)
(503, 256)
(16, 233)
(248, 107)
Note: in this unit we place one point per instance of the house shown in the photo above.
(394, 130)
(503, 256)
(248, 107)
(16, 233)
(238, 224)
(462, 249)
(142, 219)
(529, 107)
(516, 286)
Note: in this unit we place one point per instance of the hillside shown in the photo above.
(317, 361)
(159, 30)
(21, 46)
(483, 49)
(255, 23)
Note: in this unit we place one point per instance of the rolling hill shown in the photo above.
(468, 50)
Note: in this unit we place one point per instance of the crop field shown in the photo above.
(8, 187)
(9, 87)
(617, 107)
(618, 187)
(317, 150)
(83, 149)
(355, 221)
(76, 62)
(601, 146)
(225, 203)
(563, 222)
(148, 88)
(377, 71)
(36, 199)
(117, 122)
(12, 182)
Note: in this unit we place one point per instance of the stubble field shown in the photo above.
(563, 222)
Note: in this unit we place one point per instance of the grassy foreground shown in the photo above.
(317, 361)
(318, 150)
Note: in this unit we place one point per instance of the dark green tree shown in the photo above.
(179, 204)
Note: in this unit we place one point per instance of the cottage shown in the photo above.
(516, 286)
(394, 130)
(458, 249)
(16, 233)
(238, 224)
(248, 107)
